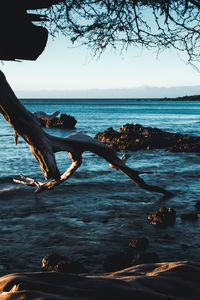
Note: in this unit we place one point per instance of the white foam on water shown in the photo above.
(8, 189)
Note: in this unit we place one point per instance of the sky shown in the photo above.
(63, 71)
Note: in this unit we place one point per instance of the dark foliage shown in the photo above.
(151, 24)
(101, 23)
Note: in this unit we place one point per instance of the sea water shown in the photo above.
(98, 211)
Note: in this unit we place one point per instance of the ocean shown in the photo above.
(98, 211)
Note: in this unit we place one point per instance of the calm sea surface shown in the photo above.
(98, 211)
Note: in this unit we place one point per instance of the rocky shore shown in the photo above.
(133, 137)
(134, 273)
(64, 121)
(169, 280)
(184, 98)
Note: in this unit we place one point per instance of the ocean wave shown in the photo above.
(5, 135)
(10, 191)
(90, 174)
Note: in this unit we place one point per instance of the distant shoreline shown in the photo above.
(184, 98)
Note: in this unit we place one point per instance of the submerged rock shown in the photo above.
(134, 137)
(116, 262)
(127, 259)
(146, 258)
(139, 243)
(57, 263)
(64, 121)
(135, 254)
(163, 217)
(189, 216)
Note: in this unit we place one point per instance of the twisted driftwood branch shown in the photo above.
(83, 142)
(43, 145)
(41, 186)
(27, 126)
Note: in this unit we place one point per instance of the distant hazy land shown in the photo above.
(185, 98)
(143, 92)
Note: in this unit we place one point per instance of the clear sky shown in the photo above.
(64, 71)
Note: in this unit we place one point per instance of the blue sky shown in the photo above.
(64, 71)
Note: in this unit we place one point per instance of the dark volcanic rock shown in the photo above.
(57, 263)
(163, 217)
(178, 280)
(134, 137)
(128, 258)
(135, 254)
(64, 121)
(110, 137)
(116, 262)
(189, 216)
(139, 243)
(145, 258)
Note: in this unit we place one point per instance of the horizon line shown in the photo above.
(184, 98)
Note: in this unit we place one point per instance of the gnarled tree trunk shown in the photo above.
(43, 145)
(26, 125)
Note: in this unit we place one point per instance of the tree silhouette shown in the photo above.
(99, 23)
(120, 23)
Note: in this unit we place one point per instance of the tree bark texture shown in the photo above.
(26, 125)
(43, 146)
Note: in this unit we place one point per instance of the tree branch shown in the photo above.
(43, 145)
(27, 126)
(42, 186)
(78, 143)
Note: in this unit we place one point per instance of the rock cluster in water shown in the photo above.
(57, 263)
(163, 217)
(64, 121)
(134, 137)
(135, 254)
(139, 243)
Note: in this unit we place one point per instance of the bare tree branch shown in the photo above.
(43, 145)
(151, 24)
(75, 145)
(27, 126)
